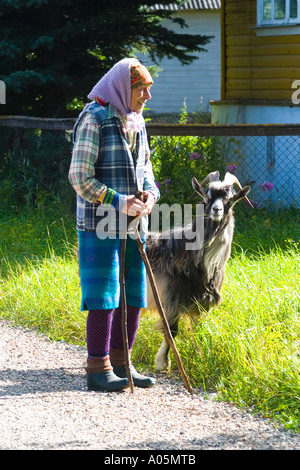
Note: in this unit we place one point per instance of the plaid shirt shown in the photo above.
(102, 159)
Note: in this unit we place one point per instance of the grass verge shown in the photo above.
(248, 349)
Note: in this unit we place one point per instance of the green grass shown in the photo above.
(248, 349)
(39, 284)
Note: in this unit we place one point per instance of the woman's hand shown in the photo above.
(149, 200)
(134, 207)
(137, 207)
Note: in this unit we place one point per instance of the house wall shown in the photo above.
(259, 159)
(197, 82)
(259, 66)
(256, 66)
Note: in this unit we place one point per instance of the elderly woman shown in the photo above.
(110, 163)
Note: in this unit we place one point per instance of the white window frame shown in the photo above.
(276, 22)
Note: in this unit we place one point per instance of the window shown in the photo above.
(278, 12)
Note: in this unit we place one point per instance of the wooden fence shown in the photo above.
(263, 152)
(163, 129)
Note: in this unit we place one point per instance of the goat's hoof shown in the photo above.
(162, 364)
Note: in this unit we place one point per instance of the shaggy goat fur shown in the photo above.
(189, 279)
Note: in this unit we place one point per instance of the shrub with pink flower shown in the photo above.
(167, 183)
(195, 156)
(231, 168)
(266, 186)
(165, 186)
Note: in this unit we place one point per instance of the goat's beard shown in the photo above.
(216, 218)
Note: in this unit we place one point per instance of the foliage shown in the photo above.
(54, 52)
(177, 159)
(35, 166)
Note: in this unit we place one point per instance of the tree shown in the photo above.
(52, 51)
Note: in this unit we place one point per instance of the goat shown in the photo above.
(187, 279)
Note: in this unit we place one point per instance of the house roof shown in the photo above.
(190, 5)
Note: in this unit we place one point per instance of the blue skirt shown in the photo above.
(99, 268)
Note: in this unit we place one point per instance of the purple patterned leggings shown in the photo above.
(104, 330)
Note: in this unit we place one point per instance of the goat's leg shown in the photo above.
(162, 359)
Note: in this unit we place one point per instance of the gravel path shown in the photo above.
(44, 405)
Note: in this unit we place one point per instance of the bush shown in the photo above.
(36, 164)
(176, 160)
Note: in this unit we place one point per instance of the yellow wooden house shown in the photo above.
(260, 62)
(260, 84)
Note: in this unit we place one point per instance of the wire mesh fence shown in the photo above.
(271, 165)
(37, 152)
(265, 156)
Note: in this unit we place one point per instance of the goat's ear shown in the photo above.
(242, 194)
(199, 190)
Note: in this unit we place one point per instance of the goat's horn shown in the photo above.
(232, 179)
(212, 176)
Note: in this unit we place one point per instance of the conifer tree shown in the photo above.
(54, 51)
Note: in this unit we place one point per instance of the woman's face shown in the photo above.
(139, 96)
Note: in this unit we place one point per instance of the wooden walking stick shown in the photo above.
(161, 312)
(124, 312)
